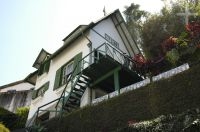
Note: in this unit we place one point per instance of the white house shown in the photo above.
(92, 62)
(17, 94)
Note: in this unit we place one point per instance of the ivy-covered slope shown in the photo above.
(169, 96)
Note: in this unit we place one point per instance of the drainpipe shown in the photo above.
(90, 62)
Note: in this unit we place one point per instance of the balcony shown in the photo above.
(101, 64)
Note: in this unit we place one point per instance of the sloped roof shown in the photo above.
(75, 32)
(40, 58)
(31, 78)
(78, 32)
(11, 84)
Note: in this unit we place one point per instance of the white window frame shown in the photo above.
(66, 71)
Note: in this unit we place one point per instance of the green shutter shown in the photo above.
(46, 65)
(57, 78)
(34, 94)
(77, 65)
(46, 86)
(41, 69)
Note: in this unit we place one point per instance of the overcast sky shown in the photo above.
(27, 26)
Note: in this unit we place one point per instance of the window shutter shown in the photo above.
(46, 86)
(47, 65)
(77, 65)
(41, 69)
(34, 94)
(57, 78)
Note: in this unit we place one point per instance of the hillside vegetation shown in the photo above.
(170, 96)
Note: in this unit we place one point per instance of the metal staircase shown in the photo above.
(89, 69)
(72, 101)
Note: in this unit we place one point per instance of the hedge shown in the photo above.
(173, 95)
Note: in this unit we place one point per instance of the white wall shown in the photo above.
(106, 27)
(20, 95)
(18, 87)
(80, 45)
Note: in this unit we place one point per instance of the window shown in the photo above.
(40, 91)
(66, 72)
(62, 74)
(44, 67)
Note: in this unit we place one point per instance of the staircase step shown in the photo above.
(79, 90)
(81, 81)
(81, 86)
(86, 78)
(74, 102)
(77, 94)
(74, 97)
(71, 106)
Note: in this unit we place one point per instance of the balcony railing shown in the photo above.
(104, 50)
(107, 50)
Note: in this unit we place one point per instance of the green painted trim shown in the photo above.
(57, 78)
(116, 81)
(77, 64)
(105, 76)
(34, 94)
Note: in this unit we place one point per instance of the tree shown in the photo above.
(134, 18)
(159, 27)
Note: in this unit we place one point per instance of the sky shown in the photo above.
(27, 26)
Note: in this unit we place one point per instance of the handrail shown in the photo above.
(72, 76)
(109, 50)
(68, 80)
(48, 103)
(34, 115)
(116, 54)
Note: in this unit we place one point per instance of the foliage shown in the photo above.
(22, 113)
(133, 13)
(4, 111)
(134, 18)
(3, 128)
(188, 121)
(159, 27)
(8, 118)
(169, 96)
(37, 128)
(182, 40)
(172, 56)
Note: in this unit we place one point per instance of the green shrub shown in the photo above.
(22, 113)
(168, 96)
(3, 128)
(37, 128)
(172, 56)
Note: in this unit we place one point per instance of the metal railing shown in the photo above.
(104, 50)
(108, 50)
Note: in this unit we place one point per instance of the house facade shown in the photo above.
(93, 61)
(17, 94)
